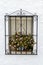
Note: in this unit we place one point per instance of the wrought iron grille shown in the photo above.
(21, 33)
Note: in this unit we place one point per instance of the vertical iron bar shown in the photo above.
(9, 26)
(26, 31)
(9, 29)
(5, 33)
(21, 24)
(36, 33)
(32, 29)
(15, 33)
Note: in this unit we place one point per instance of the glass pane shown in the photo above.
(12, 25)
(23, 25)
(29, 25)
(17, 24)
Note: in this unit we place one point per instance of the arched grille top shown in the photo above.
(21, 13)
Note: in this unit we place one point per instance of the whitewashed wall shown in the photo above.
(34, 6)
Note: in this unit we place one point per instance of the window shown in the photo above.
(21, 34)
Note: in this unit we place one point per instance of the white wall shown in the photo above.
(34, 6)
